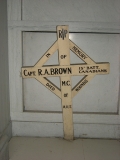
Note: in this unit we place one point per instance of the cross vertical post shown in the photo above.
(66, 94)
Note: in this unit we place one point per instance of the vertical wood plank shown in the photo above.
(64, 59)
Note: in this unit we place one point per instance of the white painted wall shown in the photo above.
(71, 10)
(81, 16)
(5, 127)
(4, 75)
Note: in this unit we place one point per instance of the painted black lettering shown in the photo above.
(69, 70)
(25, 72)
(63, 106)
(65, 83)
(29, 73)
(50, 86)
(65, 94)
(52, 71)
(60, 70)
(34, 73)
(82, 55)
(46, 72)
(67, 106)
(56, 71)
(39, 72)
(81, 85)
(64, 70)
(63, 56)
(48, 55)
(62, 33)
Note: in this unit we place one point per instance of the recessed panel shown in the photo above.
(99, 95)
(77, 10)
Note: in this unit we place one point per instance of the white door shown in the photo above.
(99, 96)
(35, 110)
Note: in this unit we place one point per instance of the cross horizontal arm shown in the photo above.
(65, 70)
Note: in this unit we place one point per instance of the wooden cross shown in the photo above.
(64, 70)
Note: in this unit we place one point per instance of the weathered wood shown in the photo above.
(64, 70)
(64, 59)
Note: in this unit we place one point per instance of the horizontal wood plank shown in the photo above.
(72, 70)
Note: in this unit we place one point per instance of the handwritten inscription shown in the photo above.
(79, 53)
(65, 83)
(65, 94)
(91, 69)
(63, 56)
(81, 85)
(67, 106)
(62, 33)
(48, 55)
(83, 69)
(55, 71)
(47, 72)
(29, 73)
(50, 86)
